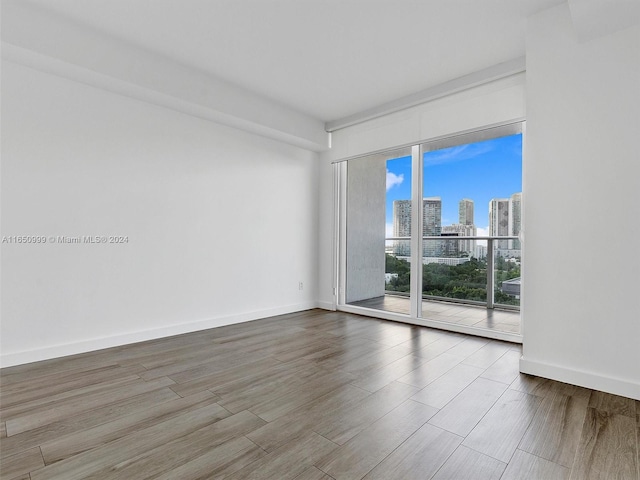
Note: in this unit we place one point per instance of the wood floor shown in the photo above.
(309, 396)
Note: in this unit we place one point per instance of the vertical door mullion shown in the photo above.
(490, 274)
(337, 248)
(342, 231)
(416, 231)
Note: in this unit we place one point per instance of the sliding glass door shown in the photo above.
(432, 231)
(471, 262)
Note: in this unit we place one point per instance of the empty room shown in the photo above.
(320, 239)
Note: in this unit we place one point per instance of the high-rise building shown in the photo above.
(515, 219)
(402, 226)
(465, 217)
(402, 218)
(499, 220)
(505, 219)
(431, 225)
(465, 212)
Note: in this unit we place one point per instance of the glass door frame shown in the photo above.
(418, 150)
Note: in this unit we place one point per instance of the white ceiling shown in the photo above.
(325, 58)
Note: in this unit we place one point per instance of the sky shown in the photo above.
(478, 171)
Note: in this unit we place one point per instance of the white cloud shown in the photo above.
(393, 179)
(456, 154)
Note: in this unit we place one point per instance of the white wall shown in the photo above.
(327, 274)
(222, 225)
(581, 183)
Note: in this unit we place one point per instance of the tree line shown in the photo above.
(465, 281)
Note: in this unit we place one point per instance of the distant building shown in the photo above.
(511, 287)
(465, 212)
(453, 261)
(441, 260)
(450, 247)
(402, 226)
(480, 252)
(499, 220)
(515, 219)
(432, 225)
(505, 220)
(460, 246)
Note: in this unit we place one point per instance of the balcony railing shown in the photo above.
(456, 268)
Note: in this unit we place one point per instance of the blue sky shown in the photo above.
(478, 171)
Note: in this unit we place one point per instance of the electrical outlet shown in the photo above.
(300, 286)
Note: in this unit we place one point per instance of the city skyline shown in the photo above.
(479, 171)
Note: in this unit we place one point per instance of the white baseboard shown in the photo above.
(326, 306)
(581, 378)
(55, 351)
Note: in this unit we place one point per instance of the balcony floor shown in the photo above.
(471, 315)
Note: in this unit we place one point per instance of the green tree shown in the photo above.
(467, 281)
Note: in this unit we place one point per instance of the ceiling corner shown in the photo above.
(595, 18)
